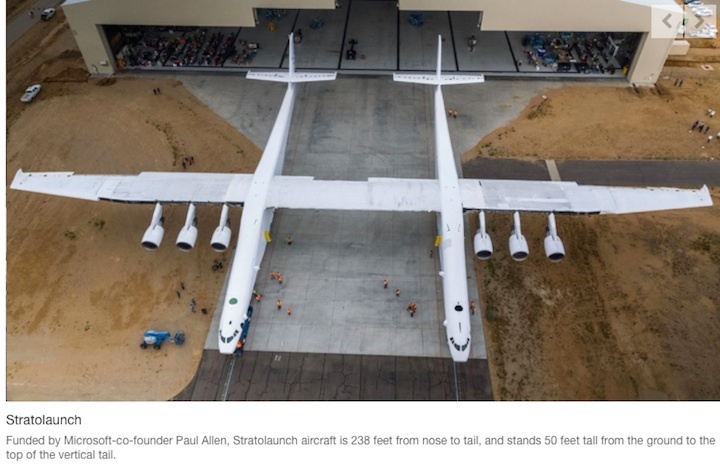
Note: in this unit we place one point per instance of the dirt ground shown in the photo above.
(634, 310)
(631, 314)
(80, 290)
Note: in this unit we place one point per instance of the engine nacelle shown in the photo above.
(188, 233)
(517, 242)
(554, 248)
(154, 234)
(482, 243)
(221, 236)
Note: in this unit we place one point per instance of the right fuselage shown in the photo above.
(452, 245)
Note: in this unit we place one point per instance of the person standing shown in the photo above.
(289, 311)
(397, 292)
(385, 283)
(279, 304)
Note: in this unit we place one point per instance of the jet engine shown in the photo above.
(188, 233)
(518, 244)
(222, 234)
(482, 242)
(154, 234)
(554, 248)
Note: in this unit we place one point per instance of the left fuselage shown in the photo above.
(256, 220)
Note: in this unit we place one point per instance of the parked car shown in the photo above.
(31, 92)
(47, 13)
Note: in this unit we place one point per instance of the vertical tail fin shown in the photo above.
(291, 56)
(439, 60)
(438, 78)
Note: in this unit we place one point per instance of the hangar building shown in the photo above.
(509, 37)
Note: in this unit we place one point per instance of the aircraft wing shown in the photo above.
(569, 197)
(146, 187)
(299, 192)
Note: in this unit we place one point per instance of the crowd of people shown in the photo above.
(184, 47)
(598, 53)
(703, 128)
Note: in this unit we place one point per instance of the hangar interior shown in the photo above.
(372, 36)
(343, 39)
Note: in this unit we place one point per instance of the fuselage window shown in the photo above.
(458, 308)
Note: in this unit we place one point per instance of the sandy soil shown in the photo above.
(81, 291)
(631, 314)
(591, 122)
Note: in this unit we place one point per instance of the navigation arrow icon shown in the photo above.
(666, 22)
(702, 20)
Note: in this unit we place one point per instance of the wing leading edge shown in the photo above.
(569, 197)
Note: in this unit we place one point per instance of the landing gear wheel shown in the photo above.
(143, 345)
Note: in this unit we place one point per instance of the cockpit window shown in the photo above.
(228, 339)
(457, 346)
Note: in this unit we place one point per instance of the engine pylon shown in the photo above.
(517, 242)
(554, 249)
(482, 243)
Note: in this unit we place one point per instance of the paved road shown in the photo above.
(268, 376)
(22, 23)
(602, 173)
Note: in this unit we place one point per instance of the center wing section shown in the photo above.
(299, 192)
(144, 188)
(569, 197)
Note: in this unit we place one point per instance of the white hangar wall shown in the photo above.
(86, 17)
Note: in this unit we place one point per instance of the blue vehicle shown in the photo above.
(243, 335)
(156, 339)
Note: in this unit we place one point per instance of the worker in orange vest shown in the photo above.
(279, 304)
(289, 311)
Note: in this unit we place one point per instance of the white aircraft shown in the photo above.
(266, 190)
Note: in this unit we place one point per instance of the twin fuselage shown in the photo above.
(257, 218)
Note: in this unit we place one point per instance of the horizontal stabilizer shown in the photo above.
(446, 79)
(294, 78)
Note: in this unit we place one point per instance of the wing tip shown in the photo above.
(17, 179)
(705, 192)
